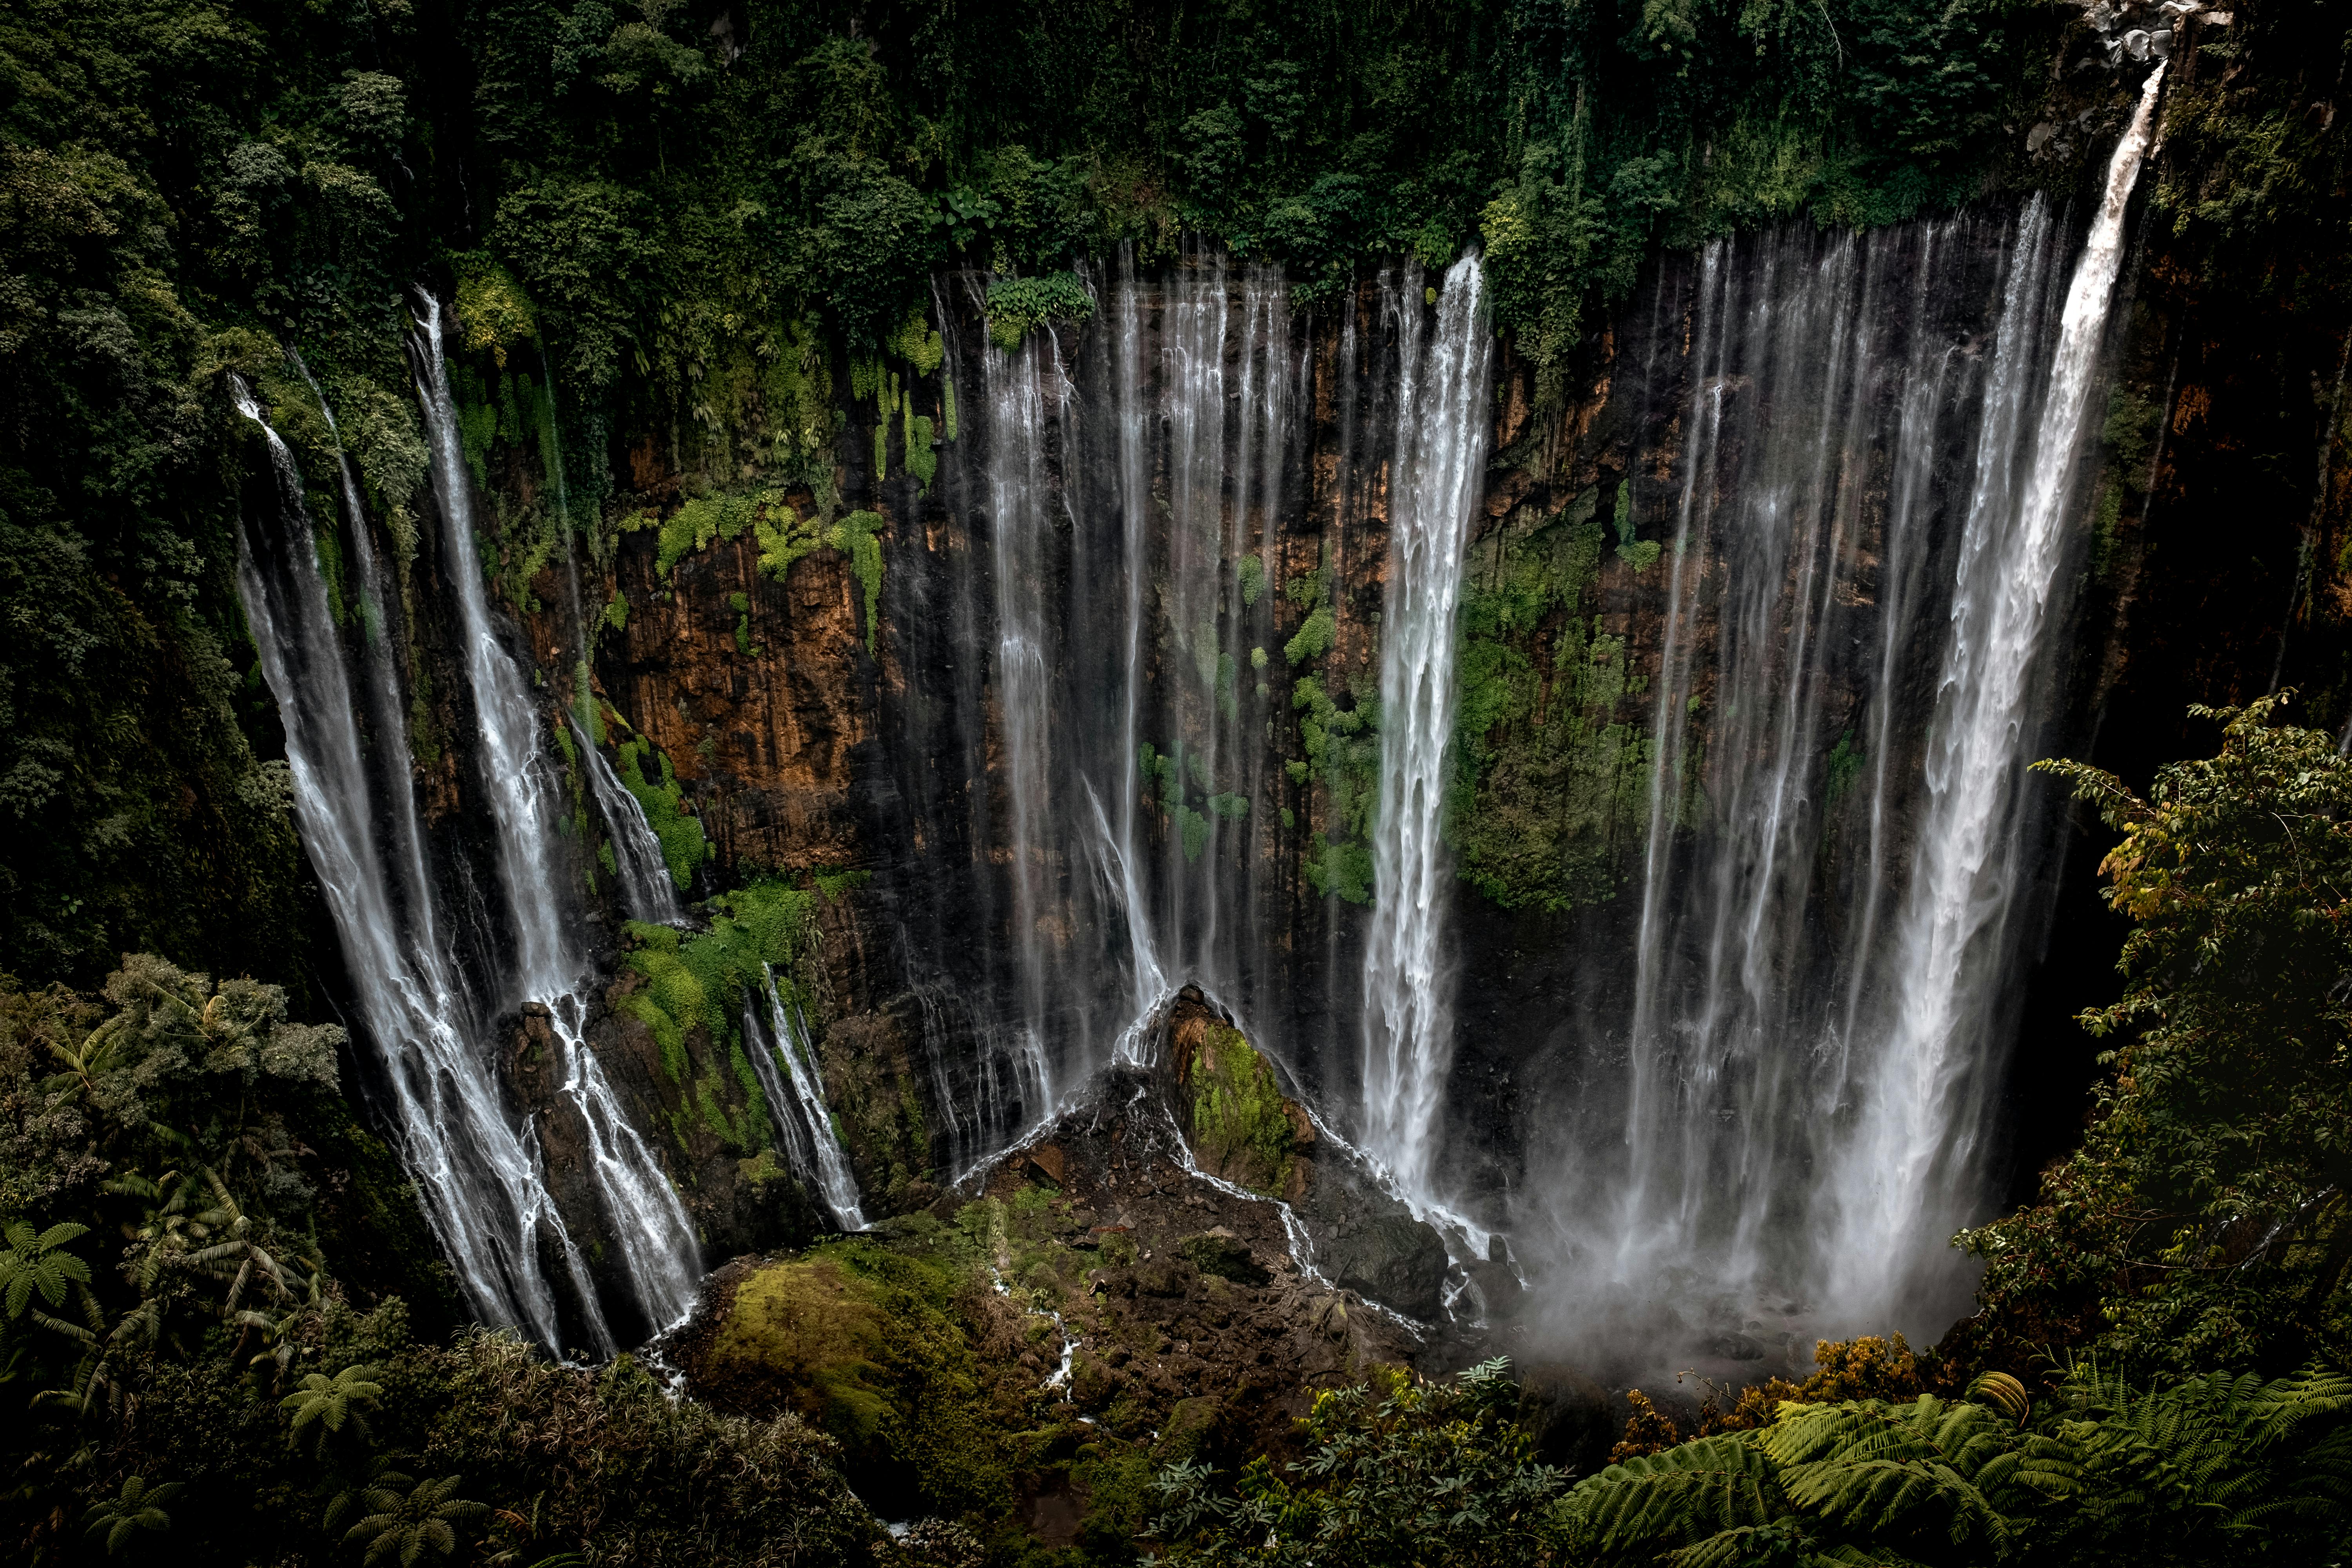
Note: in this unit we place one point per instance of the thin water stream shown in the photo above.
(800, 1110)
(659, 1255)
(477, 1172)
(1435, 482)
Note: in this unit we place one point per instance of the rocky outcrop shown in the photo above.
(1222, 1097)
(1088, 1309)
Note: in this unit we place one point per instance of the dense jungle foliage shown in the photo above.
(2206, 1221)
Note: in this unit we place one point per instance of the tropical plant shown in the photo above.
(137, 1508)
(84, 1060)
(37, 1265)
(236, 1254)
(323, 1406)
(2208, 1470)
(2204, 1222)
(2197, 1471)
(404, 1519)
(1400, 1470)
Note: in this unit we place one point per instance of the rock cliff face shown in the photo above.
(1064, 689)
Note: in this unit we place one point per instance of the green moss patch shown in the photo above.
(863, 1341)
(694, 992)
(856, 537)
(1551, 760)
(683, 843)
(1241, 1129)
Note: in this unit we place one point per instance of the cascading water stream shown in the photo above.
(800, 1110)
(1830, 887)
(1442, 422)
(647, 890)
(1825, 382)
(477, 1175)
(1185, 509)
(1143, 487)
(387, 714)
(523, 797)
(1911, 1169)
(659, 1254)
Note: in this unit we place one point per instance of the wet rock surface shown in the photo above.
(1189, 1287)
(1082, 1310)
(1360, 1237)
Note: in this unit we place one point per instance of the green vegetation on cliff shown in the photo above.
(696, 989)
(1342, 747)
(1241, 1129)
(1550, 755)
(679, 832)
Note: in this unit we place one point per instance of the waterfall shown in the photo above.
(1809, 434)
(386, 715)
(660, 1257)
(800, 1112)
(647, 890)
(1443, 416)
(1145, 496)
(1125, 481)
(1823, 383)
(1194, 499)
(478, 1177)
(1020, 387)
(1911, 1168)
(524, 803)
(1860, 483)
(1147, 979)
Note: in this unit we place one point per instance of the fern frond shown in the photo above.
(1680, 1496)
(71, 1330)
(2036, 1471)
(1731, 1549)
(1962, 1434)
(1849, 1555)
(1892, 1498)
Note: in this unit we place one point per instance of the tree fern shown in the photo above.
(2202, 1470)
(1869, 1472)
(1679, 1498)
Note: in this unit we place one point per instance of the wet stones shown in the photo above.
(2141, 32)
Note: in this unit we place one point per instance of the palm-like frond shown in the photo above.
(34, 1265)
(1847, 1554)
(2004, 1393)
(330, 1404)
(2213, 1467)
(1959, 1434)
(2233, 1461)
(1898, 1498)
(1677, 1498)
(138, 1506)
(407, 1526)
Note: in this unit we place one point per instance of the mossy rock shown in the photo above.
(1188, 1428)
(1222, 1255)
(864, 1343)
(1243, 1129)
